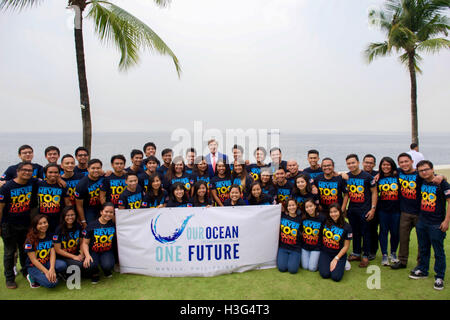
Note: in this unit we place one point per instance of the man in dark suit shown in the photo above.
(214, 156)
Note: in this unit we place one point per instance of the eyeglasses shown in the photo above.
(82, 155)
(26, 170)
(424, 170)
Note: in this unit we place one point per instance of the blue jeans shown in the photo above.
(105, 260)
(361, 229)
(310, 260)
(324, 266)
(39, 277)
(430, 235)
(389, 223)
(288, 260)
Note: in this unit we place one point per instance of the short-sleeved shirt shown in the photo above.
(144, 179)
(222, 187)
(18, 200)
(42, 249)
(100, 235)
(255, 171)
(312, 232)
(50, 198)
(84, 171)
(410, 184)
(71, 184)
(301, 198)
(185, 179)
(240, 202)
(139, 171)
(283, 192)
(196, 177)
(312, 173)
(113, 185)
(330, 190)
(11, 172)
(270, 190)
(264, 200)
(70, 242)
(244, 191)
(162, 170)
(207, 202)
(89, 191)
(389, 194)
(359, 191)
(433, 202)
(333, 237)
(175, 204)
(131, 199)
(290, 233)
(152, 201)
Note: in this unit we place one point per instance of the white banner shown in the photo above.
(178, 242)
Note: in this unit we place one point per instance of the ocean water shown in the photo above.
(435, 147)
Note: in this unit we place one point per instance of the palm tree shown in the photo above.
(113, 25)
(412, 27)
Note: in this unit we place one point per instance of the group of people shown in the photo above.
(63, 214)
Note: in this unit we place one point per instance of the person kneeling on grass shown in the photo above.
(98, 243)
(336, 238)
(289, 248)
(312, 224)
(42, 265)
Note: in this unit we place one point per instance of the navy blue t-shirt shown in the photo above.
(359, 193)
(222, 187)
(18, 200)
(70, 242)
(42, 249)
(113, 185)
(244, 190)
(265, 199)
(100, 235)
(433, 202)
(152, 201)
(283, 192)
(162, 170)
(333, 237)
(185, 179)
(131, 199)
(71, 184)
(410, 184)
(290, 233)
(330, 190)
(312, 232)
(176, 204)
(312, 173)
(84, 171)
(240, 202)
(11, 172)
(196, 177)
(89, 191)
(255, 171)
(270, 190)
(389, 194)
(196, 203)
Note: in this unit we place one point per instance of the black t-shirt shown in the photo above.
(389, 194)
(333, 237)
(330, 190)
(84, 171)
(270, 190)
(301, 198)
(18, 200)
(312, 173)
(100, 235)
(196, 177)
(290, 232)
(240, 202)
(144, 179)
(196, 203)
(373, 173)
(264, 200)
(222, 187)
(131, 199)
(139, 171)
(50, 198)
(433, 202)
(11, 172)
(89, 191)
(255, 171)
(151, 201)
(71, 184)
(244, 190)
(42, 249)
(185, 179)
(283, 192)
(410, 184)
(162, 170)
(175, 204)
(70, 242)
(312, 232)
(359, 193)
(113, 185)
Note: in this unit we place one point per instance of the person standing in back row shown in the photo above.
(214, 157)
(415, 154)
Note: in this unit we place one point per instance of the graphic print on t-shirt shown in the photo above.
(328, 192)
(388, 188)
(355, 188)
(21, 199)
(429, 197)
(332, 237)
(311, 230)
(408, 185)
(289, 231)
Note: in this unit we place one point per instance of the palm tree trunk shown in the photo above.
(82, 80)
(414, 120)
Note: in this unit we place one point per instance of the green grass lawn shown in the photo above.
(258, 284)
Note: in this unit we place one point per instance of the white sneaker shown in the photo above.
(393, 258)
(348, 266)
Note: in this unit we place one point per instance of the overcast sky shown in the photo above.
(287, 64)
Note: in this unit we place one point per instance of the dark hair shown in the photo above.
(190, 150)
(275, 149)
(305, 214)
(33, 233)
(67, 156)
(196, 186)
(24, 147)
(424, 163)
(51, 148)
(227, 168)
(404, 154)
(151, 158)
(234, 186)
(94, 161)
(150, 194)
(50, 165)
(266, 169)
(286, 203)
(63, 226)
(251, 199)
(236, 146)
(391, 162)
(329, 159)
(313, 151)
(118, 157)
(413, 145)
(107, 204)
(197, 161)
(370, 156)
(148, 144)
(175, 186)
(352, 155)
(81, 149)
(165, 151)
(329, 221)
(136, 152)
(171, 171)
(129, 174)
(296, 190)
(244, 173)
(260, 149)
(22, 164)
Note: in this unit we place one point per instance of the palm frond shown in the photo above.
(433, 45)
(404, 59)
(115, 25)
(18, 4)
(375, 50)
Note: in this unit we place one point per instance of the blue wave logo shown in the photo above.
(172, 238)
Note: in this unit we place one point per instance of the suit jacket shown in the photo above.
(209, 162)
